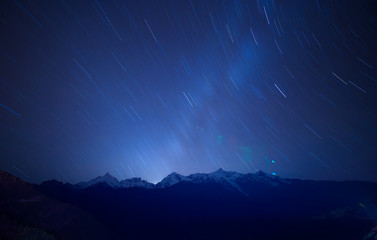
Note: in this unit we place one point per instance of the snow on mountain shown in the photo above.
(217, 176)
(171, 180)
(262, 177)
(221, 174)
(114, 183)
(136, 182)
(107, 178)
(227, 178)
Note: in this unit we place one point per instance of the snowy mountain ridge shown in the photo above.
(114, 182)
(107, 178)
(228, 178)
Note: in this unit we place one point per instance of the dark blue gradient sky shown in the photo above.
(145, 88)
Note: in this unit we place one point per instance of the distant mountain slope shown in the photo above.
(226, 204)
(25, 213)
(114, 183)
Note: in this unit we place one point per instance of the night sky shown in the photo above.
(145, 88)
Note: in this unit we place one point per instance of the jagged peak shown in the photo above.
(108, 175)
(220, 175)
(171, 179)
(174, 174)
(107, 178)
(136, 182)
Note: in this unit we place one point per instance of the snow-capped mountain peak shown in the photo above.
(171, 179)
(221, 174)
(227, 178)
(114, 183)
(107, 178)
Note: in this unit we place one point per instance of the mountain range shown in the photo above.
(217, 205)
(226, 178)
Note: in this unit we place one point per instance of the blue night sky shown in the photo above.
(145, 88)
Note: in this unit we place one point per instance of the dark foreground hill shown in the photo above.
(219, 205)
(25, 213)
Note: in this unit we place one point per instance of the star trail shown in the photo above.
(146, 88)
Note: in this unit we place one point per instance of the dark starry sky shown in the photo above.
(145, 88)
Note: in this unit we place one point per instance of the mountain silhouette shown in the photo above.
(217, 205)
(26, 213)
